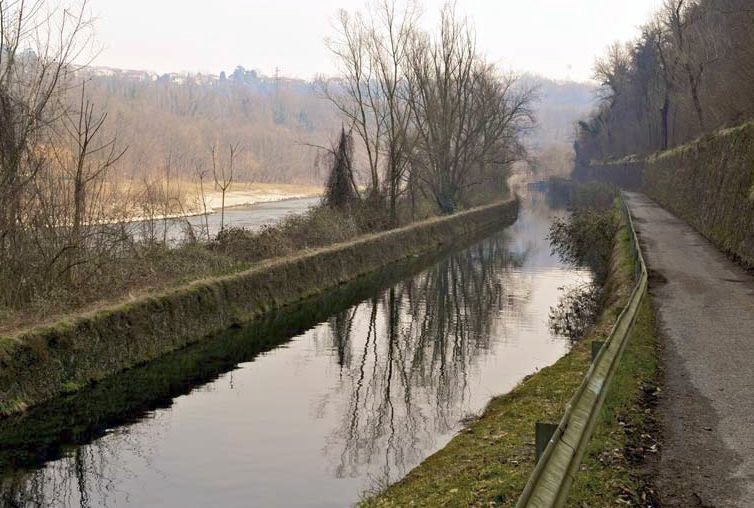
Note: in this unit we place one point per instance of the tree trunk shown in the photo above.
(665, 112)
(222, 213)
(446, 199)
(694, 87)
(698, 107)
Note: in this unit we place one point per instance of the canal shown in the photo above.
(317, 404)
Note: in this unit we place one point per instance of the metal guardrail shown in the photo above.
(549, 484)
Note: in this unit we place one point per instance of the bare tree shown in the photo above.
(222, 172)
(37, 49)
(612, 70)
(667, 65)
(390, 46)
(425, 109)
(372, 50)
(201, 174)
(166, 201)
(38, 45)
(355, 95)
(92, 158)
(467, 118)
(679, 24)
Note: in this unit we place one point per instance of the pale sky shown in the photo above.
(556, 38)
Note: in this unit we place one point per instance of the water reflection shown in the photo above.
(357, 394)
(79, 479)
(405, 358)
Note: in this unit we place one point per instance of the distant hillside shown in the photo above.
(177, 117)
(561, 105)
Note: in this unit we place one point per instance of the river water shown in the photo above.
(252, 217)
(315, 405)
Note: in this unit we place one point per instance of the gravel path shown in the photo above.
(705, 306)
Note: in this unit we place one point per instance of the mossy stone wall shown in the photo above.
(709, 183)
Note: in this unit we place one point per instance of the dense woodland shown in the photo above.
(689, 72)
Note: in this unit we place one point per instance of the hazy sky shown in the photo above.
(556, 38)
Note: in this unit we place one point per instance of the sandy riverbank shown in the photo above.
(244, 194)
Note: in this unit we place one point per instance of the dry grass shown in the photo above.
(129, 278)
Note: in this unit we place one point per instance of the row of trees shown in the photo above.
(423, 113)
(428, 113)
(688, 73)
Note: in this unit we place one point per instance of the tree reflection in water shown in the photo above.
(405, 358)
(407, 362)
(81, 478)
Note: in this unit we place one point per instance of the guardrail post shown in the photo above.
(543, 433)
(596, 348)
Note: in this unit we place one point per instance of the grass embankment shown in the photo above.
(489, 462)
(133, 269)
(40, 364)
(139, 269)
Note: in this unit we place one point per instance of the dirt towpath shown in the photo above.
(705, 306)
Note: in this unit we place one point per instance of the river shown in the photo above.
(252, 217)
(315, 405)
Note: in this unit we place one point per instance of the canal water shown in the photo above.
(314, 406)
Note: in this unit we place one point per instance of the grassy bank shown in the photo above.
(137, 268)
(132, 269)
(489, 462)
(40, 364)
(614, 470)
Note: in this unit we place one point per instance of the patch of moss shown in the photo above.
(70, 387)
(12, 406)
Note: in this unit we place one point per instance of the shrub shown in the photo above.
(319, 227)
(585, 238)
(576, 311)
